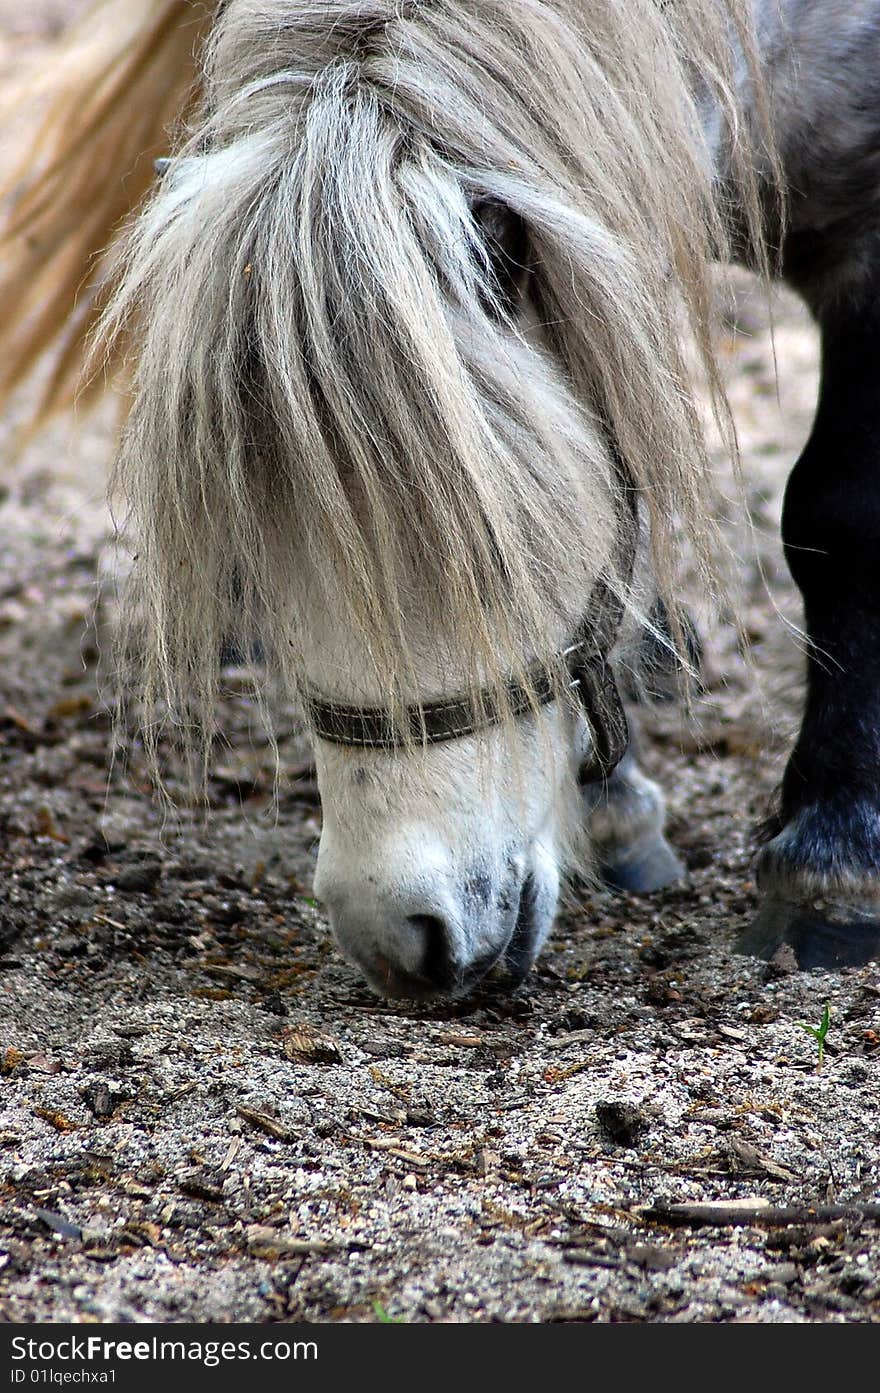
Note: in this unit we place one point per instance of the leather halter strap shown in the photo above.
(452, 718)
(586, 662)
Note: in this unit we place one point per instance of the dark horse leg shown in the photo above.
(820, 874)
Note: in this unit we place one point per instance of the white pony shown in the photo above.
(411, 412)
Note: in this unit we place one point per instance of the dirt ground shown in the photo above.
(206, 1116)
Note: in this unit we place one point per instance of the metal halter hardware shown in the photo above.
(434, 722)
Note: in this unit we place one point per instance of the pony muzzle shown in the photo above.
(442, 944)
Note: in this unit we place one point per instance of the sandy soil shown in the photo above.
(204, 1115)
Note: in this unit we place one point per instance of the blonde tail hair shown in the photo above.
(114, 88)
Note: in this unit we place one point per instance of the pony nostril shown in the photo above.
(437, 966)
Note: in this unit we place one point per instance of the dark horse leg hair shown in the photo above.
(820, 873)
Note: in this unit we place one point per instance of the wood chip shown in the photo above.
(751, 1159)
(21, 723)
(46, 826)
(234, 1147)
(201, 1185)
(264, 1122)
(581, 1257)
(182, 1090)
(55, 1119)
(391, 1119)
(10, 1059)
(310, 1044)
(392, 1146)
(43, 1064)
(264, 1242)
(113, 924)
(756, 1210)
(574, 1037)
(70, 706)
(732, 1032)
(141, 1234)
(227, 970)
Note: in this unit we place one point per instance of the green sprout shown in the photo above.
(819, 1032)
(383, 1317)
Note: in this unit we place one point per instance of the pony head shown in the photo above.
(409, 304)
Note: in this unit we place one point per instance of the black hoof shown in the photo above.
(646, 867)
(815, 939)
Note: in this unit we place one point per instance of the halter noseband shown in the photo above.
(435, 722)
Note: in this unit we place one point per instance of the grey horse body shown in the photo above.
(820, 871)
(820, 101)
(820, 62)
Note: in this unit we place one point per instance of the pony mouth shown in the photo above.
(514, 958)
(522, 946)
(389, 981)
